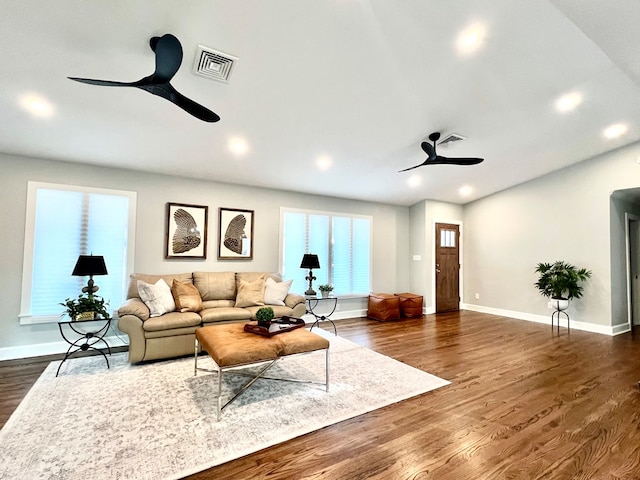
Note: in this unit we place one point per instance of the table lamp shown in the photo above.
(310, 261)
(90, 265)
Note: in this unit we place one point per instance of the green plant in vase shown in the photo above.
(264, 316)
(86, 307)
(561, 280)
(325, 289)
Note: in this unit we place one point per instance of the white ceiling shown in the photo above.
(363, 82)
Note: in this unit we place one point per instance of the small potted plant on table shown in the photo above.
(264, 316)
(325, 290)
(86, 307)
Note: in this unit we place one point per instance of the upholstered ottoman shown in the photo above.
(410, 305)
(383, 306)
(230, 346)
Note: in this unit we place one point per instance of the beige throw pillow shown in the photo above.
(186, 296)
(274, 292)
(157, 297)
(250, 293)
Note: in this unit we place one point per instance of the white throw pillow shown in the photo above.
(274, 292)
(157, 297)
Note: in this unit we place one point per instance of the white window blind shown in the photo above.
(342, 243)
(62, 223)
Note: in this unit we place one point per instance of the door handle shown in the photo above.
(437, 270)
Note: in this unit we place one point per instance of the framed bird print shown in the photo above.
(186, 231)
(235, 235)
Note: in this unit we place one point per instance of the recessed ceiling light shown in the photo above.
(471, 38)
(324, 162)
(615, 131)
(414, 181)
(36, 105)
(568, 102)
(238, 145)
(465, 190)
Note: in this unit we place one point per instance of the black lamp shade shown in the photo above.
(90, 265)
(310, 260)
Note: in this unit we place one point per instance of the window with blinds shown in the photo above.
(64, 222)
(342, 243)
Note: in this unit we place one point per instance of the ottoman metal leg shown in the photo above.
(326, 366)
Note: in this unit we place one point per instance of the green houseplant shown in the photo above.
(264, 316)
(325, 289)
(84, 305)
(561, 280)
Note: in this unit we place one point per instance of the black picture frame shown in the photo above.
(235, 234)
(186, 231)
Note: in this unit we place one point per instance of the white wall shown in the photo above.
(565, 215)
(390, 229)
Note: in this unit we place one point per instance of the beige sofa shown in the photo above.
(172, 334)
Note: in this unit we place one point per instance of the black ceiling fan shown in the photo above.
(168, 59)
(434, 159)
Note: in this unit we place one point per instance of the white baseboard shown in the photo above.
(51, 348)
(530, 317)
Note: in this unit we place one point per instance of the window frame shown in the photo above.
(330, 216)
(25, 316)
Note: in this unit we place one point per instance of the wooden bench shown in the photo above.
(230, 346)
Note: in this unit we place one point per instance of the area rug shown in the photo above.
(158, 420)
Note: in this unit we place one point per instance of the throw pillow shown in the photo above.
(250, 293)
(186, 296)
(274, 292)
(157, 297)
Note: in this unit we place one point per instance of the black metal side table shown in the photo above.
(312, 305)
(86, 338)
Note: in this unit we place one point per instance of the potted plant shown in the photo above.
(560, 281)
(86, 307)
(325, 290)
(264, 316)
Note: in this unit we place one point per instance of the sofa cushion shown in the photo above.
(274, 292)
(218, 303)
(132, 290)
(250, 293)
(217, 314)
(215, 285)
(172, 320)
(186, 296)
(157, 297)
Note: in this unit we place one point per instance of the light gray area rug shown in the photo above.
(157, 420)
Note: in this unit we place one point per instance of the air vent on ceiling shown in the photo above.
(213, 64)
(451, 139)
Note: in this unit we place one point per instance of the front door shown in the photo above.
(447, 267)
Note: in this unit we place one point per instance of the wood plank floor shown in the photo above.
(525, 403)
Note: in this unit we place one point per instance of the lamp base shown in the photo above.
(310, 292)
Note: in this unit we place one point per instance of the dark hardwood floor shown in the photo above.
(525, 403)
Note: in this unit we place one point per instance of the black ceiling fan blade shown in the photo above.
(103, 83)
(411, 168)
(194, 108)
(456, 161)
(429, 149)
(168, 52)
(167, 91)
